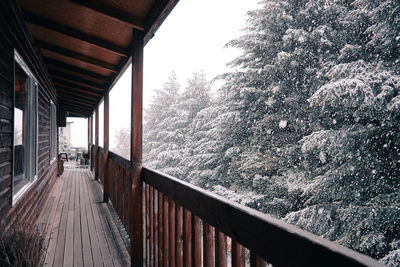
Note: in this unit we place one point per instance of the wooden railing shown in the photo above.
(120, 188)
(185, 225)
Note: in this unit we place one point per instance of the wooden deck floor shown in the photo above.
(81, 230)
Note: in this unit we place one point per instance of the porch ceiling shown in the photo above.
(85, 44)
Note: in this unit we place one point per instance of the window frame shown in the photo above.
(53, 132)
(31, 164)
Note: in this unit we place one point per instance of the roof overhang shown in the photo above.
(86, 44)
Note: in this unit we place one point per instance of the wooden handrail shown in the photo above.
(122, 162)
(182, 206)
(275, 241)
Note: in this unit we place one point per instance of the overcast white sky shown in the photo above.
(190, 39)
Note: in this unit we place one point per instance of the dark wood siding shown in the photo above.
(13, 35)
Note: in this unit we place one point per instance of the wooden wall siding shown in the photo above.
(14, 35)
(44, 134)
(6, 83)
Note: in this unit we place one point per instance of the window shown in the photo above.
(53, 131)
(25, 128)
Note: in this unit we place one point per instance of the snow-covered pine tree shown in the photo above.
(314, 112)
(286, 47)
(162, 131)
(168, 137)
(356, 157)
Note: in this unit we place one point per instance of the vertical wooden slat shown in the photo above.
(208, 245)
(256, 261)
(166, 232)
(196, 244)
(220, 250)
(187, 238)
(172, 233)
(106, 147)
(151, 231)
(147, 225)
(136, 148)
(155, 218)
(160, 228)
(238, 254)
(179, 236)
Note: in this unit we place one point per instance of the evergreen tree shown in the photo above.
(313, 108)
(307, 125)
(162, 132)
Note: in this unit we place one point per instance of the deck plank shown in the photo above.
(94, 241)
(78, 249)
(69, 233)
(86, 248)
(109, 228)
(53, 221)
(81, 229)
(62, 231)
(94, 202)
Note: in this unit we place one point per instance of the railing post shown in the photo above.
(96, 137)
(136, 148)
(106, 147)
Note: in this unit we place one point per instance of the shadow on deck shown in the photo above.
(81, 230)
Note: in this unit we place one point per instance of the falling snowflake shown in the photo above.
(282, 124)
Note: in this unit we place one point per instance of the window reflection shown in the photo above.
(21, 83)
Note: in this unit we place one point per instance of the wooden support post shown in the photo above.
(136, 148)
(91, 144)
(96, 140)
(88, 134)
(106, 148)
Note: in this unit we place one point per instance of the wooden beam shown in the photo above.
(136, 148)
(79, 95)
(77, 88)
(77, 104)
(73, 108)
(72, 54)
(113, 13)
(98, 90)
(78, 82)
(106, 184)
(76, 79)
(61, 65)
(76, 100)
(66, 30)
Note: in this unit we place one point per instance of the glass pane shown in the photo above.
(120, 115)
(34, 129)
(20, 132)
